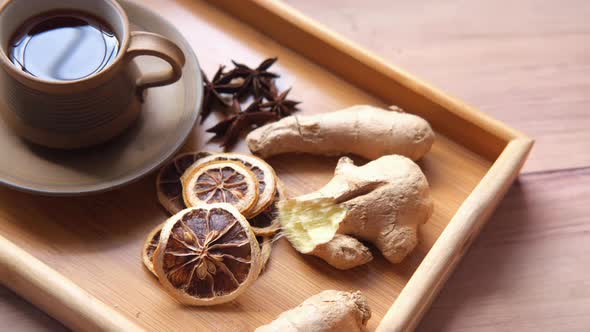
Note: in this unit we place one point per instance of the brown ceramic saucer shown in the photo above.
(167, 118)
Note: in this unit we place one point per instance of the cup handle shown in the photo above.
(147, 43)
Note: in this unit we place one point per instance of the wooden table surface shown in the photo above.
(526, 63)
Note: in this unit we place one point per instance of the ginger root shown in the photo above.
(382, 202)
(327, 311)
(367, 131)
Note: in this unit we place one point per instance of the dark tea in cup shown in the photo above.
(63, 46)
(67, 75)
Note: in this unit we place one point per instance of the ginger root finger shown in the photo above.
(367, 131)
(327, 311)
(382, 202)
(343, 252)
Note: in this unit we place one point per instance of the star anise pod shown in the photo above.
(213, 89)
(280, 105)
(231, 128)
(271, 92)
(255, 81)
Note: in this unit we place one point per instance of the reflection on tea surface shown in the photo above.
(63, 46)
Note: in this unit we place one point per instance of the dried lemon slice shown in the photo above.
(168, 184)
(149, 247)
(265, 174)
(207, 255)
(265, 250)
(267, 223)
(153, 239)
(221, 182)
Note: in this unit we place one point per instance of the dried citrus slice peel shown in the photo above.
(221, 182)
(265, 174)
(153, 239)
(149, 247)
(168, 184)
(269, 225)
(265, 250)
(266, 223)
(207, 255)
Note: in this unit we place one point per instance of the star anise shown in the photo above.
(212, 91)
(271, 92)
(280, 105)
(231, 128)
(256, 81)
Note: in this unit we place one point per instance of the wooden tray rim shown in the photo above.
(79, 310)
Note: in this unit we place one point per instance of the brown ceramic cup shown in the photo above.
(88, 111)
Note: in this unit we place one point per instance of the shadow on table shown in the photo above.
(483, 270)
(90, 223)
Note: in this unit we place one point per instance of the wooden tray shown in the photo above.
(78, 258)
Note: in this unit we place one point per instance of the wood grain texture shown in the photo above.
(528, 270)
(49, 290)
(525, 62)
(450, 246)
(435, 44)
(17, 314)
(505, 282)
(95, 241)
